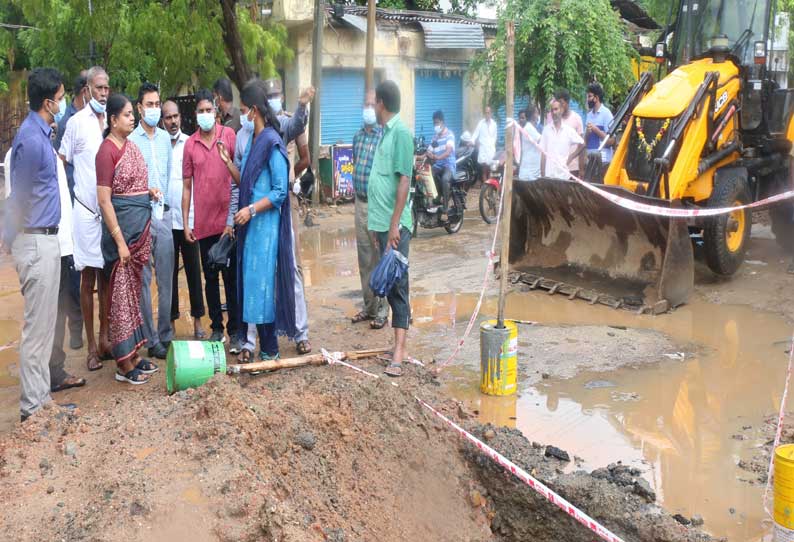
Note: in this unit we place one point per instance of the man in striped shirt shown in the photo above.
(366, 140)
(442, 154)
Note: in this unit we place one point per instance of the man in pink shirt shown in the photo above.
(208, 179)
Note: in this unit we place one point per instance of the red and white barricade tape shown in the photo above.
(654, 209)
(779, 430)
(499, 459)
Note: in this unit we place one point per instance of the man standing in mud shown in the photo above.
(33, 214)
(388, 215)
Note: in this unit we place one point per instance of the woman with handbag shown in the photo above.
(264, 251)
(123, 193)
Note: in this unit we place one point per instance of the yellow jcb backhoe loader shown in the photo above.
(716, 132)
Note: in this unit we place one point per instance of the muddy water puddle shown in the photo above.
(679, 420)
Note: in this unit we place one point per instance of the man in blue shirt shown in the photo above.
(155, 145)
(442, 153)
(33, 213)
(599, 117)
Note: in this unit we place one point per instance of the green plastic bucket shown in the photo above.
(191, 363)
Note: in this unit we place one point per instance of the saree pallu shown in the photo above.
(125, 324)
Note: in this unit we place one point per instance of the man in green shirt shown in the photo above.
(389, 216)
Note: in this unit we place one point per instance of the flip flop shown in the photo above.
(76, 383)
(245, 356)
(200, 335)
(146, 367)
(93, 362)
(134, 377)
(394, 370)
(303, 348)
(361, 317)
(378, 323)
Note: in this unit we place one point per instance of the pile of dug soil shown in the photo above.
(319, 453)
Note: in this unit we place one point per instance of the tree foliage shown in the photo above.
(170, 42)
(559, 44)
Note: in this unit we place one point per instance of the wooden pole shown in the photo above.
(302, 361)
(507, 181)
(317, 76)
(369, 68)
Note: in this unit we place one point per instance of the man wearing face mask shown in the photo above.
(207, 180)
(33, 212)
(366, 140)
(441, 154)
(190, 252)
(79, 146)
(155, 146)
(599, 117)
(561, 145)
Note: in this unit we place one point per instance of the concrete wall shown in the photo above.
(399, 51)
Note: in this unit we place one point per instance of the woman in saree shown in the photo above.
(124, 199)
(264, 248)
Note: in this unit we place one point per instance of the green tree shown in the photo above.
(559, 44)
(170, 42)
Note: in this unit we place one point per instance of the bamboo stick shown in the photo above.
(302, 361)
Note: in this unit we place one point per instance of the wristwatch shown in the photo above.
(252, 210)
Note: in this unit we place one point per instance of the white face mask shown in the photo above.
(175, 136)
(206, 121)
(369, 116)
(275, 104)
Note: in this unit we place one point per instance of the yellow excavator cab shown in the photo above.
(715, 132)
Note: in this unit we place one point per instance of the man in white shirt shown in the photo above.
(59, 379)
(560, 144)
(529, 168)
(81, 140)
(485, 139)
(190, 251)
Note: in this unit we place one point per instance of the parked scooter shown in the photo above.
(424, 201)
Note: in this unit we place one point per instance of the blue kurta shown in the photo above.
(260, 251)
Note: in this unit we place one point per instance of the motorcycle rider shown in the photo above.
(441, 153)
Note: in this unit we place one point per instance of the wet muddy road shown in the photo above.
(669, 394)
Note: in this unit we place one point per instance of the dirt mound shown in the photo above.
(313, 454)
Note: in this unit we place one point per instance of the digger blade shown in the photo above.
(568, 239)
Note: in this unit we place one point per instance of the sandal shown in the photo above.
(361, 317)
(245, 356)
(378, 323)
(394, 370)
(134, 377)
(146, 367)
(93, 362)
(303, 347)
(200, 335)
(68, 382)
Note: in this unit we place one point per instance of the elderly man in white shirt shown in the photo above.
(485, 139)
(59, 379)
(561, 145)
(172, 122)
(80, 143)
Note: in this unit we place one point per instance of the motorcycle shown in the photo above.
(491, 191)
(467, 168)
(425, 207)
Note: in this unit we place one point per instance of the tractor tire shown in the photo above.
(725, 237)
(782, 218)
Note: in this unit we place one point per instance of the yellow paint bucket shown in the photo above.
(784, 493)
(498, 361)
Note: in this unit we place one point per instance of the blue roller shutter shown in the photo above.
(435, 92)
(343, 99)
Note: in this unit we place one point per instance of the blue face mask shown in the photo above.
(151, 116)
(438, 129)
(61, 111)
(246, 123)
(369, 116)
(206, 121)
(97, 106)
(275, 104)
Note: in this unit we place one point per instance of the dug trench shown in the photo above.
(323, 453)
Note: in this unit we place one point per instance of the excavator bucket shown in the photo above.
(568, 240)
